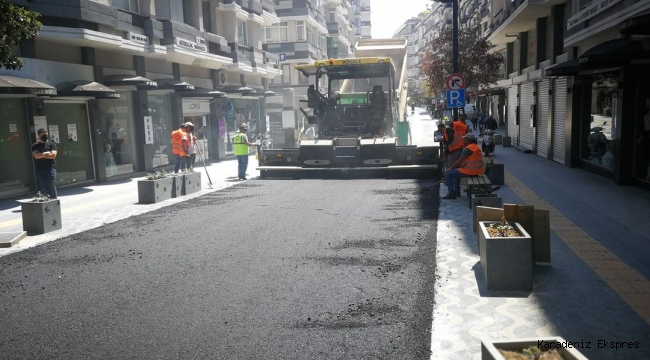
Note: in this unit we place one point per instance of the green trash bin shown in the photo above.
(403, 133)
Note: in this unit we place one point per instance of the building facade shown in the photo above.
(575, 90)
(110, 80)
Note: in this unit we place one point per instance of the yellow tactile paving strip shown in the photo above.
(623, 279)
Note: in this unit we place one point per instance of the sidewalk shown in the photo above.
(88, 207)
(596, 287)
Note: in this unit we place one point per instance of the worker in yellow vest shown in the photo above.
(240, 147)
(470, 163)
(179, 148)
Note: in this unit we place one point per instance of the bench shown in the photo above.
(479, 185)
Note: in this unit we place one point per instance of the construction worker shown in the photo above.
(456, 145)
(179, 147)
(240, 147)
(192, 146)
(470, 163)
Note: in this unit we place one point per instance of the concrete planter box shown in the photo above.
(41, 217)
(191, 183)
(496, 174)
(153, 191)
(507, 262)
(498, 139)
(507, 141)
(494, 201)
(177, 186)
(490, 349)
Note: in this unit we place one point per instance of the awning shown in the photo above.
(244, 90)
(268, 93)
(86, 89)
(172, 84)
(638, 24)
(141, 83)
(568, 68)
(616, 52)
(11, 85)
(204, 93)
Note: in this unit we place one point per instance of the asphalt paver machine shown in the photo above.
(360, 119)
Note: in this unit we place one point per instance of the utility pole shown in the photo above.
(454, 61)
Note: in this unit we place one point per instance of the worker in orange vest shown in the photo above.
(456, 144)
(470, 163)
(180, 147)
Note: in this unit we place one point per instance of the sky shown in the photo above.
(387, 16)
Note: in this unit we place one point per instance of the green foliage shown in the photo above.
(158, 175)
(41, 198)
(476, 63)
(17, 24)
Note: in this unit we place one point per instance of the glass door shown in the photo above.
(74, 161)
(15, 149)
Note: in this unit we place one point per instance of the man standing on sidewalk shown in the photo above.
(44, 153)
(179, 148)
(469, 164)
(240, 147)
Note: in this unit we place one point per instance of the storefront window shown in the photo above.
(119, 135)
(160, 112)
(202, 133)
(15, 153)
(598, 147)
(68, 123)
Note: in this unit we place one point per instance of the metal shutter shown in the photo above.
(559, 118)
(526, 99)
(542, 118)
(513, 129)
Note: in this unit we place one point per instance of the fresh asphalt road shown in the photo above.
(267, 269)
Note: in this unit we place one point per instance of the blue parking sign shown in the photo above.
(283, 57)
(456, 98)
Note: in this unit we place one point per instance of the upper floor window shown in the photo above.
(277, 33)
(128, 5)
(332, 16)
(286, 73)
(583, 4)
(167, 9)
(300, 30)
(242, 34)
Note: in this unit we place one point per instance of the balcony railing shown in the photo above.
(241, 54)
(333, 27)
(268, 6)
(253, 6)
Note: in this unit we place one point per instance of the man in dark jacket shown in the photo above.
(491, 124)
(44, 153)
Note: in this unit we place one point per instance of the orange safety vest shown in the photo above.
(460, 130)
(473, 164)
(178, 138)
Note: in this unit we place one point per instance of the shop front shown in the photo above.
(118, 130)
(197, 111)
(237, 111)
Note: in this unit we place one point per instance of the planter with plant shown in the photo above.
(191, 182)
(506, 256)
(41, 215)
(155, 188)
(548, 348)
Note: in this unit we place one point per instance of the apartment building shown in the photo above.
(111, 79)
(576, 68)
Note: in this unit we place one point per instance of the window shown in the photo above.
(277, 33)
(242, 36)
(300, 29)
(286, 73)
(128, 5)
(583, 4)
(332, 16)
(169, 10)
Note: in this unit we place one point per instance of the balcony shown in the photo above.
(265, 63)
(242, 57)
(333, 27)
(519, 16)
(485, 11)
(268, 6)
(366, 23)
(252, 6)
(365, 8)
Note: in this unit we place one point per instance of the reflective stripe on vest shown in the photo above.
(460, 130)
(176, 142)
(473, 164)
(239, 145)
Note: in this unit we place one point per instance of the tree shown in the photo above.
(17, 24)
(479, 67)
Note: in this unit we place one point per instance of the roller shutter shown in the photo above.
(513, 129)
(526, 99)
(542, 118)
(559, 118)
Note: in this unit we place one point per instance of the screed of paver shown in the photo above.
(629, 284)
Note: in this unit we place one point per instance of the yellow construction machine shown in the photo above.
(360, 120)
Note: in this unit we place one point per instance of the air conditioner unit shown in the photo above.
(220, 78)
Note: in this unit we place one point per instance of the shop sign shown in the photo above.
(141, 39)
(194, 107)
(37, 91)
(148, 130)
(222, 128)
(190, 45)
(590, 11)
